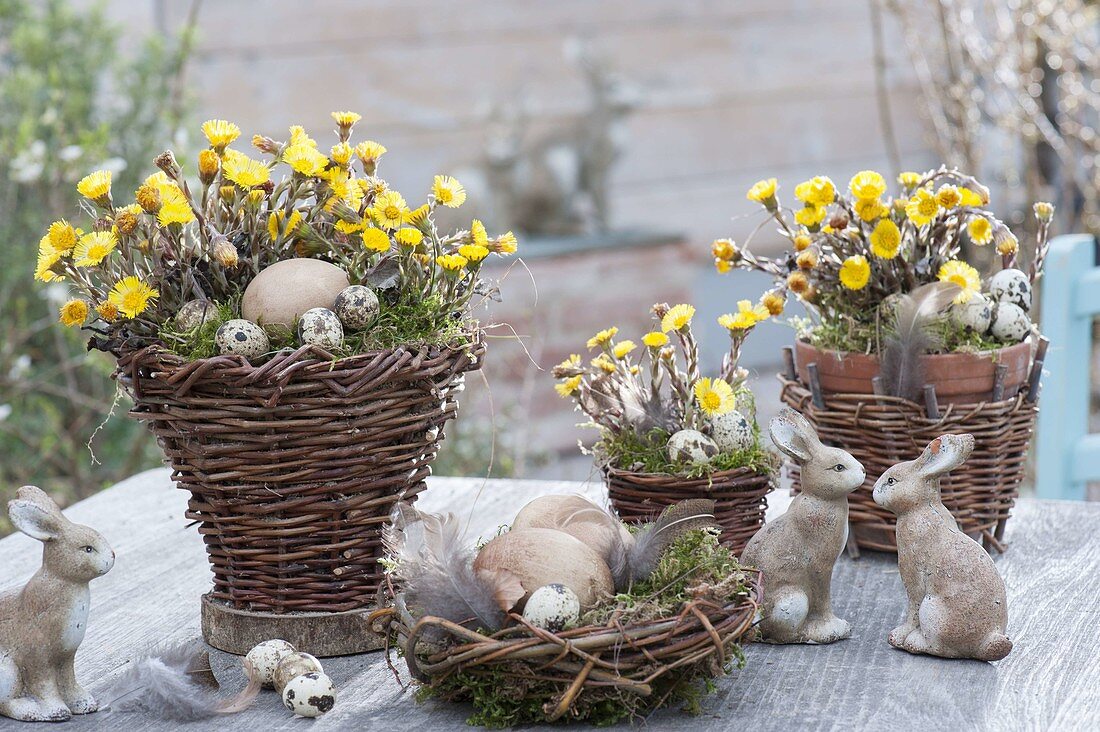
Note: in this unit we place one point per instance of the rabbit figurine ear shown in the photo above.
(33, 519)
(943, 454)
(792, 434)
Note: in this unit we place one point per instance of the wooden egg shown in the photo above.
(310, 695)
(1010, 323)
(731, 431)
(292, 665)
(195, 313)
(242, 338)
(356, 307)
(540, 557)
(264, 657)
(281, 293)
(691, 446)
(552, 607)
(1011, 285)
(577, 516)
(321, 327)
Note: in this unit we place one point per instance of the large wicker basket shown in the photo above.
(636, 660)
(740, 498)
(293, 467)
(881, 431)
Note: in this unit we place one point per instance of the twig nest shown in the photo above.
(540, 557)
(975, 315)
(732, 431)
(195, 313)
(691, 446)
(293, 665)
(284, 291)
(552, 607)
(1011, 285)
(320, 327)
(242, 338)
(1010, 323)
(356, 307)
(577, 516)
(310, 695)
(264, 658)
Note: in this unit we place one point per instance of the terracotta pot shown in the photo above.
(959, 378)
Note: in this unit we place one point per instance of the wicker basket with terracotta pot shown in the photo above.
(993, 396)
(740, 498)
(293, 467)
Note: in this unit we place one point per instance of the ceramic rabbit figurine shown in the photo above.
(43, 623)
(796, 552)
(957, 602)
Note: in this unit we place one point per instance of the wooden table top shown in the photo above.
(1050, 681)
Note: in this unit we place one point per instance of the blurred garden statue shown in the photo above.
(556, 183)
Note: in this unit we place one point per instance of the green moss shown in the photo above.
(198, 342)
(505, 695)
(851, 336)
(648, 454)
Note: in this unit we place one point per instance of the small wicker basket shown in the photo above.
(881, 431)
(740, 498)
(633, 659)
(293, 467)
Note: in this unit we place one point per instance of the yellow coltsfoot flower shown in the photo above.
(505, 244)
(305, 160)
(909, 180)
(473, 252)
(818, 191)
(389, 210)
(885, 239)
(96, 187)
(963, 275)
(603, 337)
(93, 248)
(567, 387)
(61, 236)
(677, 317)
(370, 152)
(220, 133)
(810, 216)
(948, 196)
(107, 310)
(855, 272)
(655, 339)
(980, 230)
(622, 349)
(922, 207)
(73, 313)
(44, 267)
(451, 262)
(376, 240)
(478, 234)
(409, 237)
(132, 297)
(774, 302)
(243, 170)
(763, 192)
(448, 191)
(867, 185)
(714, 396)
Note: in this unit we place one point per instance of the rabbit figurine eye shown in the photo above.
(838, 468)
(87, 549)
(891, 481)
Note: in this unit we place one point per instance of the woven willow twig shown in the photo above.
(880, 431)
(740, 498)
(294, 465)
(628, 657)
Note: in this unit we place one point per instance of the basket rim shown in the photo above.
(611, 471)
(885, 402)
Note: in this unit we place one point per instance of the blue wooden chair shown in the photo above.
(1067, 455)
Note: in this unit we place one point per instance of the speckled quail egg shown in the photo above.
(264, 657)
(243, 338)
(975, 314)
(691, 446)
(293, 665)
(1011, 285)
(309, 695)
(731, 431)
(320, 327)
(1010, 323)
(552, 607)
(356, 307)
(194, 313)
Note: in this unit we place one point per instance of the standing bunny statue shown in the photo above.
(42, 624)
(797, 551)
(957, 602)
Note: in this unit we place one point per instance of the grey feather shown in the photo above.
(636, 407)
(165, 685)
(435, 570)
(901, 371)
(635, 561)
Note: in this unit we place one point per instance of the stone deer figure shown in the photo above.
(797, 551)
(43, 623)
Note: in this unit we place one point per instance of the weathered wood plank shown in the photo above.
(1050, 681)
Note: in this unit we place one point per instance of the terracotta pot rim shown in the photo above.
(840, 355)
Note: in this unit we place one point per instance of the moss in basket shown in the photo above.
(508, 695)
(648, 453)
(851, 336)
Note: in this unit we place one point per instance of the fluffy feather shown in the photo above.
(901, 370)
(632, 405)
(436, 571)
(175, 684)
(635, 560)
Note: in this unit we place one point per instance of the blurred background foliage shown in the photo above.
(71, 104)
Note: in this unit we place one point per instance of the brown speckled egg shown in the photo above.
(243, 338)
(194, 313)
(691, 446)
(321, 327)
(356, 307)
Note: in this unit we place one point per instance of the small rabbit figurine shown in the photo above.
(796, 552)
(42, 624)
(957, 602)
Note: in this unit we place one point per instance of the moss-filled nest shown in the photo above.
(661, 644)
